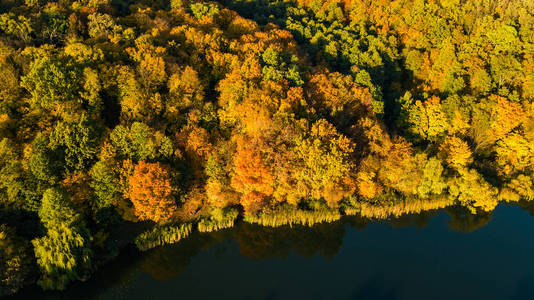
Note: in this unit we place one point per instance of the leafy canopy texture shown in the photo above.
(188, 115)
(150, 191)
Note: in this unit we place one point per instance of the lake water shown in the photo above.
(438, 255)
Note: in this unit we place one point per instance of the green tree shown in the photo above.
(17, 26)
(64, 253)
(201, 10)
(281, 65)
(105, 184)
(52, 81)
(78, 141)
(141, 142)
(432, 180)
(44, 163)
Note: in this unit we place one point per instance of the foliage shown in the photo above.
(63, 256)
(15, 261)
(219, 219)
(281, 112)
(140, 142)
(288, 215)
(162, 235)
(64, 253)
(52, 82)
(201, 10)
(150, 190)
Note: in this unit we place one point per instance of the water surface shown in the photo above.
(437, 255)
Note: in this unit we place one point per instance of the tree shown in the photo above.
(64, 253)
(251, 176)
(141, 142)
(100, 25)
(19, 27)
(44, 163)
(515, 153)
(51, 82)
(186, 92)
(427, 119)
(10, 89)
(56, 209)
(505, 116)
(150, 190)
(493, 119)
(78, 141)
(326, 164)
(92, 88)
(201, 10)
(133, 100)
(281, 65)
(519, 188)
(11, 176)
(105, 184)
(77, 187)
(338, 98)
(151, 68)
(455, 152)
(433, 182)
(472, 191)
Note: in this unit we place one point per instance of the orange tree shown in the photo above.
(150, 191)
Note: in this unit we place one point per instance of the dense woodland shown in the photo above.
(185, 116)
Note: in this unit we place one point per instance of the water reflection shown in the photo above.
(257, 243)
(464, 221)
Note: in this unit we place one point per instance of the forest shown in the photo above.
(161, 118)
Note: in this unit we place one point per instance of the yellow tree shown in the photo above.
(455, 152)
(325, 163)
(338, 96)
(427, 119)
(505, 116)
(472, 191)
(185, 91)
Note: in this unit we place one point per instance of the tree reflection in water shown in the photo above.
(464, 221)
(254, 241)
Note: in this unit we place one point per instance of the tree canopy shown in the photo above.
(186, 115)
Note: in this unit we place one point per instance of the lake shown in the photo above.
(447, 254)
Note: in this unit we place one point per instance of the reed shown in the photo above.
(291, 215)
(410, 206)
(162, 235)
(210, 224)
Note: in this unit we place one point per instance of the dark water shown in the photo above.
(438, 255)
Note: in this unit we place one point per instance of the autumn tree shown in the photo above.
(426, 119)
(455, 152)
(326, 169)
(186, 92)
(472, 191)
(515, 153)
(151, 192)
(11, 176)
(251, 176)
